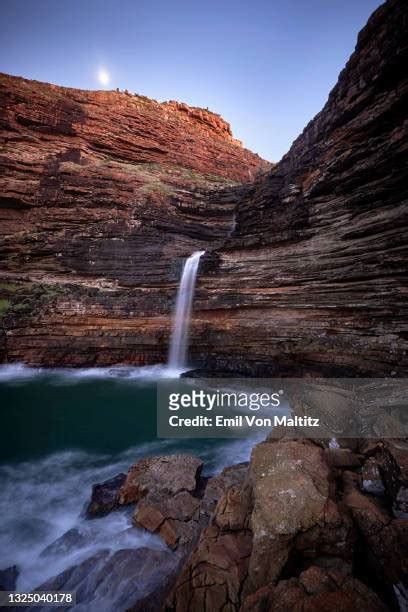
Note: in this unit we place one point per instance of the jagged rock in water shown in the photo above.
(8, 578)
(172, 500)
(115, 581)
(167, 474)
(71, 540)
(105, 496)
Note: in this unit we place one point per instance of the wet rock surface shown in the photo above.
(108, 581)
(70, 541)
(8, 578)
(105, 496)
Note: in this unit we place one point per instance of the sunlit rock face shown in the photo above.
(103, 195)
(314, 276)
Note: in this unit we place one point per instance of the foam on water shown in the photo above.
(41, 500)
(19, 372)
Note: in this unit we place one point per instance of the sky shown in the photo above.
(266, 66)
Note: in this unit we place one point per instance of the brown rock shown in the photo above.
(315, 591)
(101, 199)
(341, 458)
(385, 537)
(333, 534)
(315, 580)
(259, 601)
(169, 474)
(290, 490)
(213, 576)
(179, 517)
(330, 531)
(231, 476)
(175, 519)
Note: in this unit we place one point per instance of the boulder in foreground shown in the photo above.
(168, 474)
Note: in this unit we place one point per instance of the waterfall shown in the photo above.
(182, 316)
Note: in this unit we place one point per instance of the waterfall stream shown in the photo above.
(182, 316)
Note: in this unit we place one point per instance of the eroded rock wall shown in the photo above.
(315, 275)
(102, 194)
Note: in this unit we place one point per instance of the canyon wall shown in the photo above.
(314, 277)
(104, 193)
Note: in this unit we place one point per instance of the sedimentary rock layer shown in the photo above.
(101, 196)
(305, 267)
(315, 274)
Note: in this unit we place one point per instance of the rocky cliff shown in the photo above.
(315, 275)
(101, 196)
(104, 193)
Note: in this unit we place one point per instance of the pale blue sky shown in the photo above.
(266, 66)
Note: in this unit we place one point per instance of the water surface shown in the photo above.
(62, 431)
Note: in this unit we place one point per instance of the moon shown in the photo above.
(103, 76)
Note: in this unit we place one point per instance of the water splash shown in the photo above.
(184, 304)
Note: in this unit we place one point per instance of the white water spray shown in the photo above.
(184, 304)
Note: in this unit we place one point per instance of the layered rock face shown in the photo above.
(101, 196)
(104, 193)
(314, 276)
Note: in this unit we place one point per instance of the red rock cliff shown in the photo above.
(101, 194)
(312, 277)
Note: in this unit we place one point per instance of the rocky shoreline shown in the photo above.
(304, 526)
(304, 274)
